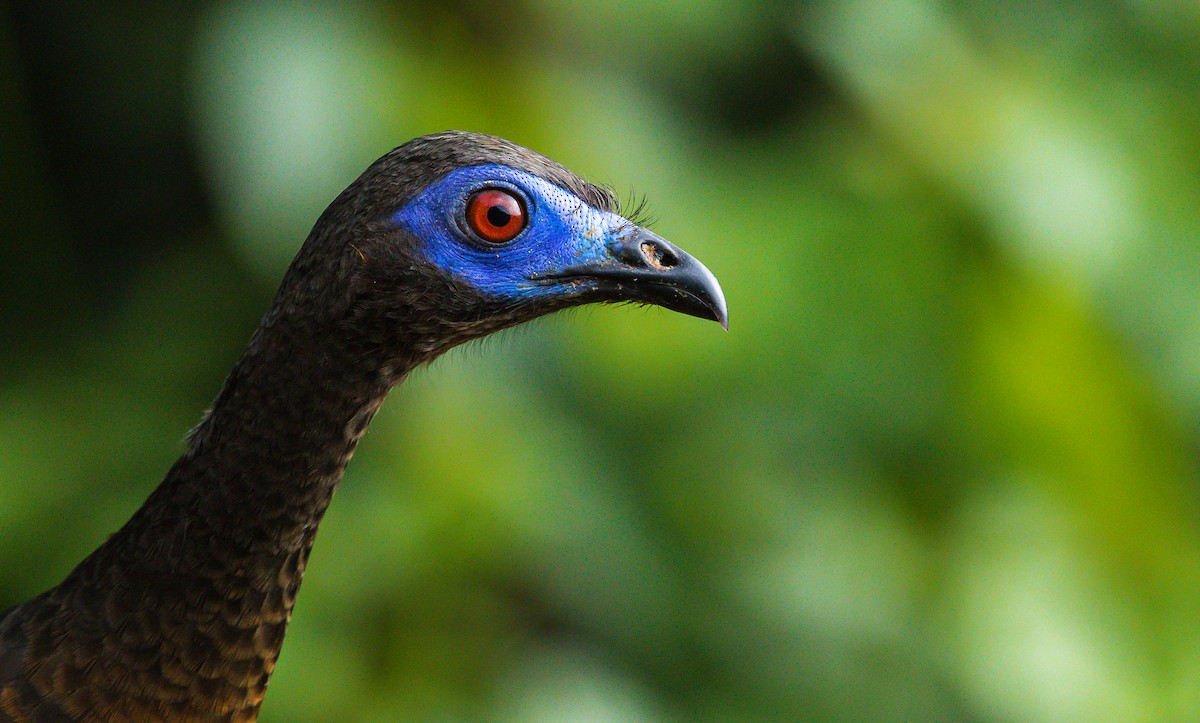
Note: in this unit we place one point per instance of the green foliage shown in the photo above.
(941, 468)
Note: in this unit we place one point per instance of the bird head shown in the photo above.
(455, 235)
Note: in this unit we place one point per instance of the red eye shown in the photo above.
(496, 216)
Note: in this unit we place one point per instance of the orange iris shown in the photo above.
(495, 215)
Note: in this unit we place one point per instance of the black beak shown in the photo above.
(643, 266)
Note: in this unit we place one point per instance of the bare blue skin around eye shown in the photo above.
(562, 231)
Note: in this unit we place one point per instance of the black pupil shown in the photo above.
(498, 217)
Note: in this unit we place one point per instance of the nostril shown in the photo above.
(659, 256)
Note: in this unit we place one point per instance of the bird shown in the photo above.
(181, 614)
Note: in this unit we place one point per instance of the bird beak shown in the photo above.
(642, 266)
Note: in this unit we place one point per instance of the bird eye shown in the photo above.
(495, 216)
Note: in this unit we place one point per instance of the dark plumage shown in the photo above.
(181, 614)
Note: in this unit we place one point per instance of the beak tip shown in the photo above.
(720, 313)
(717, 299)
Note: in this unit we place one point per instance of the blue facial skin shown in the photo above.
(562, 231)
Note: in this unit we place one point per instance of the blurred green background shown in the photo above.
(944, 465)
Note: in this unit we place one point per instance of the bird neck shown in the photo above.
(221, 545)
(262, 466)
